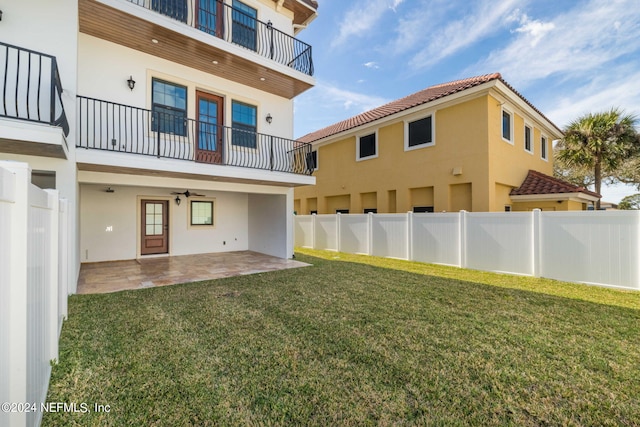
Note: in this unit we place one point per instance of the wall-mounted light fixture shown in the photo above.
(269, 119)
(131, 83)
(178, 200)
(110, 190)
(0, 15)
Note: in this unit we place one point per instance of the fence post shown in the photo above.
(313, 231)
(52, 280)
(536, 229)
(370, 233)
(338, 222)
(463, 238)
(14, 388)
(409, 236)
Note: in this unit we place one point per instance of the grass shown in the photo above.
(353, 340)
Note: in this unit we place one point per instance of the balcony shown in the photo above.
(208, 35)
(30, 91)
(118, 128)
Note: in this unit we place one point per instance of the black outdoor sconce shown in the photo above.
(131, 83)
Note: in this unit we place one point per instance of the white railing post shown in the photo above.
(409, 231)
(463, 239)
(536, 229)
(52, 280)
(15, 387)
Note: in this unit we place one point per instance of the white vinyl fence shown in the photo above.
(33, 291)
(601, 248)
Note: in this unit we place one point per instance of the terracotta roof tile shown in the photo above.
(539, 183)
(422, 97)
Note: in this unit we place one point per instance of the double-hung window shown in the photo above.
(528, 139)
(244, 25)
(419, 133)
(367, 147)
(169, 108)
(243, 117)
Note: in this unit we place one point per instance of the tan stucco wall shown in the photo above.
(467, 138)
(564, 205)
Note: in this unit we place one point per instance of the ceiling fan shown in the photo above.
(187, 194)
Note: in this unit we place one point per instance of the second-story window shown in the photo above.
(176, 9)
(543, 148)
(243, 117)
(528, 143)
(244, 25)
(367, 147)
(507, 126)
(169, 111)
(419, 133)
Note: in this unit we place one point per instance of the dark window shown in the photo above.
(176, 9)
(422, 209)
(421, 132)
(371, 210)
(507, 208)
(506, 125)
(543, 147)
(44, 179)
(312, 160)
(169, 113)
(313, 212)
(244, 125)
(244, 25)
(342, 211)
(201, 213)
(367, 146)
(527, 138)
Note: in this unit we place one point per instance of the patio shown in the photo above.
(106, 277)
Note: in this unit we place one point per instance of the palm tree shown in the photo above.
(600, 142)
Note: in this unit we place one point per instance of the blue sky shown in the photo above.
(566, 57)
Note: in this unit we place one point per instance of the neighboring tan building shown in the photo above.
(166, 124)
(466, 145)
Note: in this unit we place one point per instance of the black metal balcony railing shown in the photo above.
(237, 26)
(121, 128)
(31, 89)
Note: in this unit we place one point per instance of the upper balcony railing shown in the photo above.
(240, 27)
(108, 126)
(30, 87)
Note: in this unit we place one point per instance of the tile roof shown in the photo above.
(539, 183)
(422, 97)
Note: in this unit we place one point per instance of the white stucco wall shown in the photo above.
(104, 68)
(110, 223)
(269, 231)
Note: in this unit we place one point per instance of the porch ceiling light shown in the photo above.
(178, 200)
(131, 83)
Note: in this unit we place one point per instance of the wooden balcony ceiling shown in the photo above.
(99, 20)
(302, 9)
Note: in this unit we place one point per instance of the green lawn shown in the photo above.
(353, 340)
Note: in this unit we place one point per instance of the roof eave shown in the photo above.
(574, 197)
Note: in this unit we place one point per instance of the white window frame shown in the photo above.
(511, 114)
(544, 154)
(531, 141)
(407, 122)
(362, 135)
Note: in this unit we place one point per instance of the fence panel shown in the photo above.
(436, 238)
(598, 249)
(326, 231)
(501, 242)
(354, 234)
(389, 235)
(303, 225)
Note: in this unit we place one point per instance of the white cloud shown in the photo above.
(431, 30)
(361, 18)
(535, 30)
(576, 44)
(371, 64)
